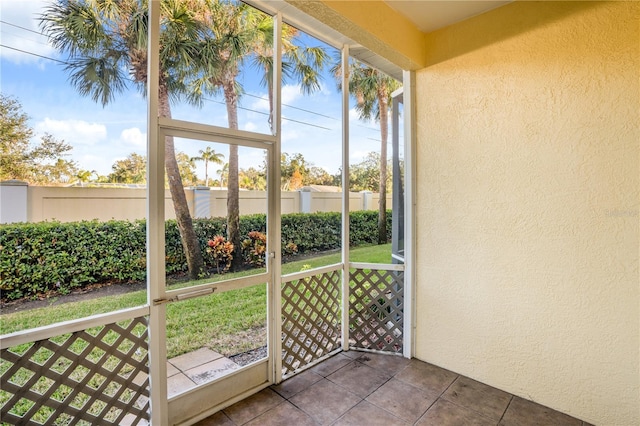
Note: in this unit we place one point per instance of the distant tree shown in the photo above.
(365, 175)
(253, 178)
(224, 174)
(19, 158)
(84, 176)
(62, 171)
(294, 171)
(208, 155)
(132, 169)
(187, 168)
(319, 176)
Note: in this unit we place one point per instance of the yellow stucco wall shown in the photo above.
(374, 25)
(527, 204)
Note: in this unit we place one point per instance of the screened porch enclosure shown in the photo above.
(97, 371)
(113, 368)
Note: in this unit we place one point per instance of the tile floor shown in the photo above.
(356, 388)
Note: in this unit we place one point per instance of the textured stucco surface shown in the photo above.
(528, 149)
(372, 24)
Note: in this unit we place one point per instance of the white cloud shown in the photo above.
(134, 136)
(22, 18)
(353, 115)
(93, 162)
(73, 131)
(250, 126)
(291, 135)
(260, 104)
(325, 90)
(290, 93)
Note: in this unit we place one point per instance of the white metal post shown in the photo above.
(345, 197)
(155, 227)
(274, 210)
(409, 87)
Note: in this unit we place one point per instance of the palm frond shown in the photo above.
(73, 27)
(100, 78)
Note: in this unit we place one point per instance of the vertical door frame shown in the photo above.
(155, 228)
(274, 210)
(409, 109)
(345, 197)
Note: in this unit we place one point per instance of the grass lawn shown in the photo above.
(229, 322)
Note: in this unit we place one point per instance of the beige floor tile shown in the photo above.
(324, 402)
(486, 400)
(390, 364)
(523, 413)
(218, 419)
(368, 414)
(426, 376)
(253, 406)
(297, 383)
(284, 414)
(402, 400)
(359, 378)
(352, 354)
(445, 413)
(331, 365)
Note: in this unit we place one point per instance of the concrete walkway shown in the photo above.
(194, 368)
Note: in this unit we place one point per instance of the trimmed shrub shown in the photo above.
(47, 257)
(51, 256)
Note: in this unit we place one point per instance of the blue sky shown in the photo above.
(100, 136)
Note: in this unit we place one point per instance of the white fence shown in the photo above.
(20, 202)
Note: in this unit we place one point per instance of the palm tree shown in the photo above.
(103, 39)
(223, 173)
(208, 155)
(239, 33)
(301, 63)
(372, 91)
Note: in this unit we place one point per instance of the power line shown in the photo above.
(267, 114)
(293, 107)
(15, 35)
(22, 28)
(33, 54)
(310, 112)
(206, 99)
(211, 100)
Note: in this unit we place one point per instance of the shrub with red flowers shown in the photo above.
(220, 252)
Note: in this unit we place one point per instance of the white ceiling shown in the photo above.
(430, 15)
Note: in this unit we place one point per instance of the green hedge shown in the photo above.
(38, 258)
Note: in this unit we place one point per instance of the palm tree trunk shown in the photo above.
(384, 131)
(188, 236)
(233, 188)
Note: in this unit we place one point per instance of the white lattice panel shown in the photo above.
(376, 303)
(90, 377)
(310, 319)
